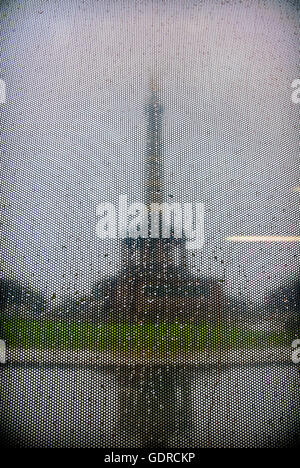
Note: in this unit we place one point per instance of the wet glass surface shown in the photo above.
(184, 102)
(158, 406)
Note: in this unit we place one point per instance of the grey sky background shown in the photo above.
(74, 129)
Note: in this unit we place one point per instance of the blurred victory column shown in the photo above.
(154, 283)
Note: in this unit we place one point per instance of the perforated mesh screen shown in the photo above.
(122, 331)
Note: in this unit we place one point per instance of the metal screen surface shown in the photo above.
(149, 226)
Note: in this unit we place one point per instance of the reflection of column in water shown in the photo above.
(153, 405)
(184, 402)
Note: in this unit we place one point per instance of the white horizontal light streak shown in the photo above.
(263, 238)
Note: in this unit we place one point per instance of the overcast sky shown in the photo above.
(74, 129)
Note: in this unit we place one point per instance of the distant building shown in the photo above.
(154, 283)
